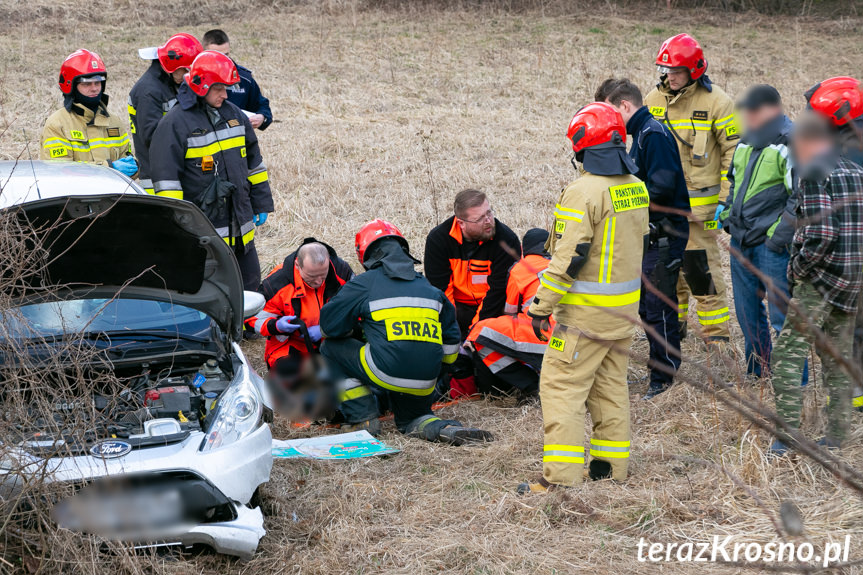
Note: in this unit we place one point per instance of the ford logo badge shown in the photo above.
(111, 449)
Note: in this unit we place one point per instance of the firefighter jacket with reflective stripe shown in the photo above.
(152, 96)
(471, 273)
(522, 282)
(182, 145)
(701, 118)
(409, 326)
(593, 282)
(288, 294)
(77, 133)
(762, 203)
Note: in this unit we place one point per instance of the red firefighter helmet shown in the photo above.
(211, 67)
(178, 52)
(596, 124)
(682, 51)
(840, 99)
(373, 231)
(80, 64)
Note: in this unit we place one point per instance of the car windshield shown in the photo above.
(103, 315)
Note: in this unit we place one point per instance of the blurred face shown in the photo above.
(314, 275)
(223, 48)
(678, 78)
(89, 89)
(217, 95)
(477, 225)
(177, 75)
(810, 148)
(755, 119)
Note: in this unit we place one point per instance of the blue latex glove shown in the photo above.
(126, 166)
(284, 325)
(260, 219)
(315, 333)
(719, 209)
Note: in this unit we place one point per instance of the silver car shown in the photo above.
(150, 288)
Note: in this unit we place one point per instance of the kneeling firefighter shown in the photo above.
(592, 286)
(410, 334)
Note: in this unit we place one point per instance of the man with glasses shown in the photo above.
(297, 290)
(468, 257)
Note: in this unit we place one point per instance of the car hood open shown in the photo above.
(131, 246)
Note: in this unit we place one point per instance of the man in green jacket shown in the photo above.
(759, 215)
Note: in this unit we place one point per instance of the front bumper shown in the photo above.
(235, 471)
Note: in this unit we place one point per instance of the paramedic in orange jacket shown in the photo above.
(468, 256)
(297, 289)
(507, 353)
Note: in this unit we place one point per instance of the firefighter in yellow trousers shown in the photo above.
(701, 118)
(592, 286)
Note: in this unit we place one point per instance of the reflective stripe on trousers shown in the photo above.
(610, 449)
(400, 384)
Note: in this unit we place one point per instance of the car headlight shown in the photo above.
(238, 413)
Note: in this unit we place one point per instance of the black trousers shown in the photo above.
(661, 267)
(343, 359)
(250, 266)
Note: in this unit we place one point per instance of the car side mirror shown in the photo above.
(253, 302)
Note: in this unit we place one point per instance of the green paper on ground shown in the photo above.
(352, 445)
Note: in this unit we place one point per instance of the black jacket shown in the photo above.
(409, 325)
(471, 273)
(247, 95)
(658, 159)
(185, 136)
(152, 96)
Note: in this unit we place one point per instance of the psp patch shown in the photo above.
(711, 225)
(59, 152)
(657, 111)
(557, 344)
(559, 226)
(77, 135)
(627, 197)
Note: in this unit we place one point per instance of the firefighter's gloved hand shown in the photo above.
(261, 219)
(315, 333)
(126, 166)
(719, 209)
(540, 324)
(284, 325)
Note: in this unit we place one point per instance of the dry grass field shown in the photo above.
(388, 113)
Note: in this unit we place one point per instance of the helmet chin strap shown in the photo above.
(574, 162)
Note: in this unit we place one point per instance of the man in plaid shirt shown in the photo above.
(826, 271)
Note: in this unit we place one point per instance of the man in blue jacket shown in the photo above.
(655, 153)
(760, 216)
(246, 94)
(409, 332)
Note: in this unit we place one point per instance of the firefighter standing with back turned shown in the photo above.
(155, 93)
(701, 118)
(205, 151)
(592, 286)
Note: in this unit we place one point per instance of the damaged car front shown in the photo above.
(144, 405)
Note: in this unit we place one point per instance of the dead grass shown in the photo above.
(373, 107)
